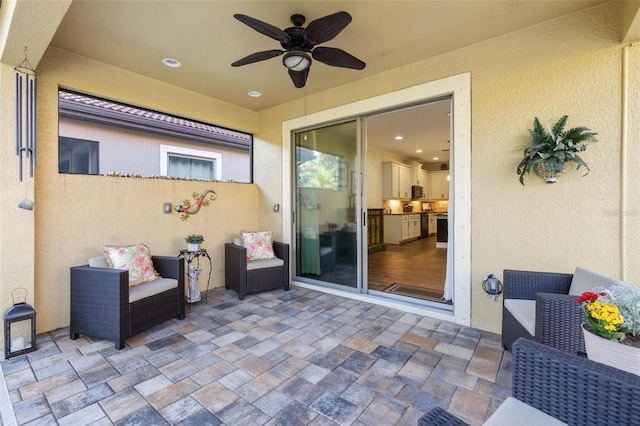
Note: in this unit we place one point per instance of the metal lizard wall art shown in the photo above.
(201, 200)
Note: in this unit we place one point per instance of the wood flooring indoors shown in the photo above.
(416, 263)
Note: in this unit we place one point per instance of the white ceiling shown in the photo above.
(424, 127)
(204, 36)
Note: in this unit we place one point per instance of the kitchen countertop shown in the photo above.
(436, 213)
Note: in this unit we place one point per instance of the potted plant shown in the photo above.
(612, 331)
(549, 152)
(194, 241)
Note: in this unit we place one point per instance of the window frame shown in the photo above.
(166, 150)
(81, 107)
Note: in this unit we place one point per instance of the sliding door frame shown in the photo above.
(459, 87)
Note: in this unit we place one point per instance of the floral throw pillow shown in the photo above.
(136, 259)
(258, 245)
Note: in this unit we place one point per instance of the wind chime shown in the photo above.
(25, 93)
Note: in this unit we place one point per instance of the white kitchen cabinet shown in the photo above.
(425, 184)
(433, 228)
(396, 180)
(416, 174)
(405, 230)
(400, 228)
(439, 185)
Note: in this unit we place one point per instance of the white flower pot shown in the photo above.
(193, 247)
(610, 352)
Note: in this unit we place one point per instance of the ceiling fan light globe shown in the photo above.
(296, 61)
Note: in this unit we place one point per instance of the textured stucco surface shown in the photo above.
(78, 214)
(572, 65)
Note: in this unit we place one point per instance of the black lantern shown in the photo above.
(19, 328)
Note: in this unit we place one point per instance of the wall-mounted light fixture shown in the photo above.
(166, 208)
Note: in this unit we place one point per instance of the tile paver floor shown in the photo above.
(276, 358)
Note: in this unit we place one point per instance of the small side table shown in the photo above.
(190, 256)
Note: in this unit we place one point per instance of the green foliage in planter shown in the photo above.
(554, 147)
(194, 239)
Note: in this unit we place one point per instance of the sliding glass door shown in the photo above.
(326, 223)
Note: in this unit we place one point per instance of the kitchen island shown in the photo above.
(400, 228)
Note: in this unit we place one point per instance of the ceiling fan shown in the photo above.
(298, 42)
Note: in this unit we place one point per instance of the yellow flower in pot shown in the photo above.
(612, 331)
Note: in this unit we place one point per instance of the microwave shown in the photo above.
(416, 192)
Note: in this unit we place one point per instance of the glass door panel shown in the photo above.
(326, 224)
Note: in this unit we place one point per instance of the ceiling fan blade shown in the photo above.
(263, 28)
(299, 78)
(337, 58)
(324, 29)
(256, 57)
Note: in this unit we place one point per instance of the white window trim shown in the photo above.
(165, 150)
(458, 85)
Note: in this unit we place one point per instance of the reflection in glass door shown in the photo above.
(326, 224)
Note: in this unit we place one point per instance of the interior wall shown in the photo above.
(570, 66)
(77, 214)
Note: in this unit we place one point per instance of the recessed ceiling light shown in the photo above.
(418, 151)
(173, 63)
(399, 138)
(254, 94)
(435, 158)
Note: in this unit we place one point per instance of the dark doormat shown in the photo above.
(417, 292)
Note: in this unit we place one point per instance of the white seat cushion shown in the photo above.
(151, 288)
(325, 250)
(99, 262)
(524, 311)
(586, 280)
(515, 412)
(264, 263)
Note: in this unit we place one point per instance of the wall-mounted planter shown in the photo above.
(551, 149)
(549, 174)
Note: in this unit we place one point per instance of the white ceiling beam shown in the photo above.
(31, 24)
(630, 21)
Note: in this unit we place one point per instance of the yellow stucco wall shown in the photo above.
(567, 66)
(77, 214)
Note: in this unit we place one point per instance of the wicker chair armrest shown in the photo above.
(558, 322)
(169, 266)
(235, 256)
(88, 282)
(439, 417)
(567, 386)
(281, 251)
(525, 284)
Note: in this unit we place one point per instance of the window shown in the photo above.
(78, 156)
(319, 170)
(190, 163)
(99, 136)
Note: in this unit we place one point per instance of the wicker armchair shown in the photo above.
(100, 305)
(558, 316)
(568, 387)
(247, 277)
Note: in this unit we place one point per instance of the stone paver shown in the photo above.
(300, 357)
